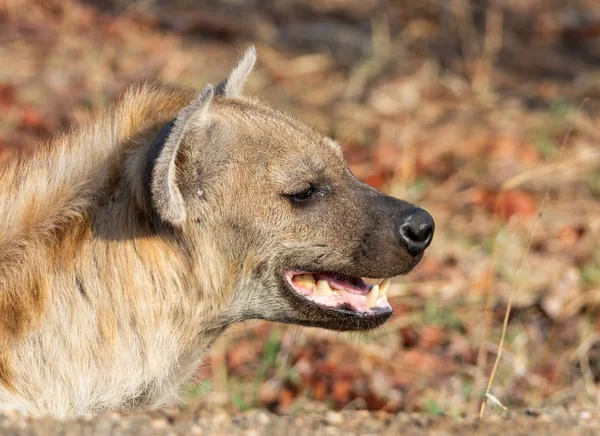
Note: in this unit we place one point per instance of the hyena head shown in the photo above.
(296, 229)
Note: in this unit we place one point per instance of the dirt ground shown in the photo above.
(486, 113)
(260, 422)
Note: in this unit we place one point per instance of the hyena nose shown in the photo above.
(416, 230)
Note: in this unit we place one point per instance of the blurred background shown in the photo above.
(482, 112)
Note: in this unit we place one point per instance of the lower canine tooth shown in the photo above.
(384, 286)
(372, 296)
(323, 289)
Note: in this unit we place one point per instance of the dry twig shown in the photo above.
(518, 267)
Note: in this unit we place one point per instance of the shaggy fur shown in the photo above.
(128, 245)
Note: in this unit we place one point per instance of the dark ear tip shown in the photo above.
(209, 91)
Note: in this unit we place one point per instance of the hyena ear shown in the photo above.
(167, 200)
(232, 86)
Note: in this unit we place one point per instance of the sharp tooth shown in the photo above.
(323, 288)
(372, 296)
(308, 281)
(384, 286)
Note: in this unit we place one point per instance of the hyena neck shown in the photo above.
(137, 315)
(84, 280)
(48, 201)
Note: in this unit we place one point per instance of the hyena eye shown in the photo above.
(303, 196)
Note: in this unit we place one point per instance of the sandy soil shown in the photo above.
(259, 422)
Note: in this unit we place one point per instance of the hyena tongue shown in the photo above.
(351, 284)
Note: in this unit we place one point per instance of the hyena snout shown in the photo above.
(415, 230)
(402, 229)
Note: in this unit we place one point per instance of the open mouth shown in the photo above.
(341, 292)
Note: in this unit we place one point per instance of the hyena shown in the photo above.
(129, 245)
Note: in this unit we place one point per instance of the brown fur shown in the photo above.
(5, 371)
(53, 228)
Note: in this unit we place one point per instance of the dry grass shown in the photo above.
(511, 184)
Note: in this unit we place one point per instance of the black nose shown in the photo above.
(416, 231)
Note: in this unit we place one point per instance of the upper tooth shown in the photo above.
(384, 286)
(372, 296)
(307, 281)
(323, 288)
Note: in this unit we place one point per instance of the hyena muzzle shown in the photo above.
(129, 245)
